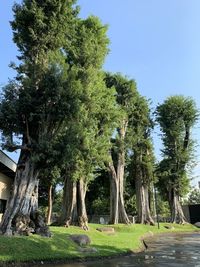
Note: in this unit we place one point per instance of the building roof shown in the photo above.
(7, 165)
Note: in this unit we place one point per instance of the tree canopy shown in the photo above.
(176, 116)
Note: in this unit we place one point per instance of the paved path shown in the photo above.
(166, 250)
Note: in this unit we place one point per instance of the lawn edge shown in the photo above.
(142, 247)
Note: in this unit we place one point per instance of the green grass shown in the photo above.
(60, 247)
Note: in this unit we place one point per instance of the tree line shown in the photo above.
(75, 120)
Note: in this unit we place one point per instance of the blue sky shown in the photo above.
(155, 42)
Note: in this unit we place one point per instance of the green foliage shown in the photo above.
(142, 156)
(126, 100)
(59, 104)
(98, 195)
(130, 204)
(129, 190)
(36, 103)
(176, 116)
(167, 178)
(194, 197)
(57, 203)
(40, 27)
(88, 48)
(163, 207)
(85, 138)
(126, 92)
(100, 206)
(48, 177)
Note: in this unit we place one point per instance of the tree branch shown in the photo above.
(12, 147)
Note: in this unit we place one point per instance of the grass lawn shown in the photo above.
(60, 247)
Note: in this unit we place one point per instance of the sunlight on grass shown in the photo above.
(125, 239)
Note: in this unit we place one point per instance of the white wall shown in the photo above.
(5, 188)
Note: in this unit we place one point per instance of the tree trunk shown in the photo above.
(123, 217)
(21, 215)
(50, 204)
(114, 195)
(69, 205)
(73, 207)
(148, 217)
(177, 215)
(81, 207)
(117, 209)
(142, 201)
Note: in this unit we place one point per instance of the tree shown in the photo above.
(194, 197)
(126, 96)
(142, 158)
(36, 103)
(176, 117)
(85, 141)
(48, 180)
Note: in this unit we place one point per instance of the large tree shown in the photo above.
(85, 141)
(176, 116)
(142, 158)
(36, 103)
(126, 97)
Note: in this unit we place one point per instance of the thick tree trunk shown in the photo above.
(81, 207)
(50, 204)
(177, 215)
(148, 217)
(73, 207)
(69, 204)
(142, 201)
(21, 216)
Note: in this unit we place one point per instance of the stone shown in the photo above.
(169, 227)
(197, 224)
(43, 231)
(81, 240)
(102, 220)
(109, 230)
(39, 220)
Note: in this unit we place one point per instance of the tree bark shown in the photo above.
(177, 215)
(117, 208)
(114, 195)
(23, 202)
(73, 207)
(148, 217)
(142, 200)
(81, 207)
(50, 204)
(123, 217)
(69, 205)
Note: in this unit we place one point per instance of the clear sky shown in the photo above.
(155, 42)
